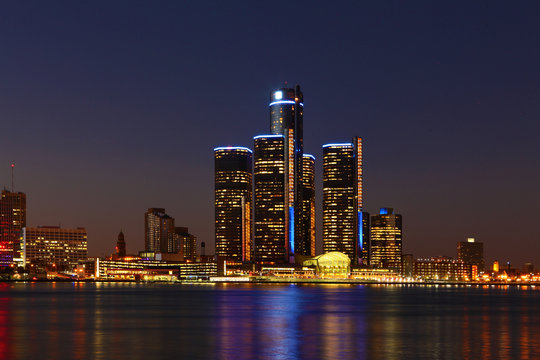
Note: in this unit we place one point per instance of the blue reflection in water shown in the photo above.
(151, 321)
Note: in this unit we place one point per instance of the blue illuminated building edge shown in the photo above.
(338, 145)
(291, 102)
(232, 148)
(267, 136)
(291, 230)
(309, 155)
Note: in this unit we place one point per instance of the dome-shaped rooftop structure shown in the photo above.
(334, 263)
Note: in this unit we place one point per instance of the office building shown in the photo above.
(307, 247)
(185, 243)
(471, 252)
(272, 233)
(159, 231)
(286, 119)
(12, 220)
(386, 240)
(54, 246)
(364, 237)
(407, 265)
(233, 202)
(343, 223)
(442, 268)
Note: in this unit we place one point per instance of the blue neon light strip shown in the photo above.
(338, 145)
(291, 229)
(291, 102)
(232, 148)
(383, 211)
(267, 136)
(360, 233)
(309, 155)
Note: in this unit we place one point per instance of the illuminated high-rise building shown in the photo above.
(185, 243)
(12, 220)
(232, 201)
(307, 247)
(343, 221)
(286, 119)
(55, 246)
(272, 228)
(159, 231)
(386, 240)
(364, 237)
(471, 252)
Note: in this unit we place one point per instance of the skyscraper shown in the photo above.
(307, 247)
(272, 229)
(343, 223)
(159, 231)
(286, 119)
(471, 252)
(233, 202)
(12, 220)
(386, 240)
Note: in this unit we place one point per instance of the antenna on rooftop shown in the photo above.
(12, 170)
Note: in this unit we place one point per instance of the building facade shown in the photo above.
(185, 243)
(233, 202)
(159, 231)
(471, 252)
(343, 223)
(442, 268)
(287, 119)
(12, 220)
(272, 232)
(307, 247)
(54, 246)
(386, 240)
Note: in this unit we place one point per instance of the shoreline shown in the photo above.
(287, 282)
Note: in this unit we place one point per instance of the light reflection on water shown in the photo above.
(136, 321)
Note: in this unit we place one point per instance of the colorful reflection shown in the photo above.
(148, 321)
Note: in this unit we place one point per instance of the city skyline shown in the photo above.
(453, 153)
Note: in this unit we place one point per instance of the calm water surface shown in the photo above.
(137, 321)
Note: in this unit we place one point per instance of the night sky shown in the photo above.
(108, 108)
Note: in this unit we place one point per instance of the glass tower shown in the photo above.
(286, 119)
(307, 247)
(344, 226)
(272, 229)
(386, 241)
(233, 199)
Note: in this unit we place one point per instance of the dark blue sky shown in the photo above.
(109, 108)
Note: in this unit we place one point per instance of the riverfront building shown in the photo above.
(386, 240)
(185, 243)
(54, 246)
(471, 252)
(271, 231)
(307, 247)
(442, 268)
(233, 202)
(12, 220)
(159, 231)
(343, 223)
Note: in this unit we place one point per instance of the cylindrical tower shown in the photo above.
(233, 202)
